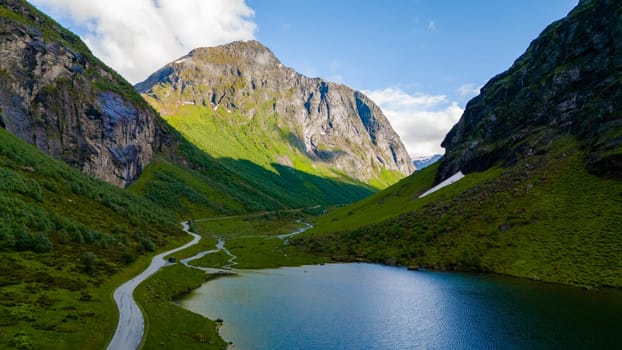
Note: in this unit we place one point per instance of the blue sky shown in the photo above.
(420, 60)
(430, 46)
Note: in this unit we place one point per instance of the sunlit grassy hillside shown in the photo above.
(545, 218)
(263, 140)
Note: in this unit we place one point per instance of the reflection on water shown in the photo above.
(366, 306)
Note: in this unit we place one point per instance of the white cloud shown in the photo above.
(422, 121)
(468, 90)
(432, 26)
(137, 37)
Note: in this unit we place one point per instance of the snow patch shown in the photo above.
(423, 162)
(452, 179)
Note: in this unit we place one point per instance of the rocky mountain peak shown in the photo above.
(247, 52)
(330, 123)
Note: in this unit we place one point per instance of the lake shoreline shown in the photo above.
(293, 277)
(212, 276)
(177, 300)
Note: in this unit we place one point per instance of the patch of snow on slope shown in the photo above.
(452, 179)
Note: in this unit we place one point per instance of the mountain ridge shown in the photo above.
(327, 123)
(57, 96)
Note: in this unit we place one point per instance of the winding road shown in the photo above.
(131, 326)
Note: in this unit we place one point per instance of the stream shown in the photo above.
(220, 246)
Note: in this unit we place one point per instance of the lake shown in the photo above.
(367, 306)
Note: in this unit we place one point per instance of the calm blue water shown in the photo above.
(366, 306)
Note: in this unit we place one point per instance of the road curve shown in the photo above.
(131, 326)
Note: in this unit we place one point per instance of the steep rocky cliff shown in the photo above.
(329, 124)
(55, 95)
(569, 81)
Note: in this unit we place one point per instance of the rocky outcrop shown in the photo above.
(55, 95)
(331, 123)
(569, 81)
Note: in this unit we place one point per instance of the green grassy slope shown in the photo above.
(191, 179)
(202, 186)
(66, 241)
(545, 218)
(262, 140)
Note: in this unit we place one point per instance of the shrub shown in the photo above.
(127, 256)
(89, 262)
(41, 243)
(7, 241)
(23, 238)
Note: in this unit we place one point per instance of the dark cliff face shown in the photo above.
(569, 81)
(333, 124)
(55, 95)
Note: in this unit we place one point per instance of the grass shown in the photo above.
(187, 192)
(205, 186)
(169, 326)
(545, 218)
(53, 217)
(261, 253)
(264, 140)
(56, 308)
(267, 224)
(398, 198)
(253, 239)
